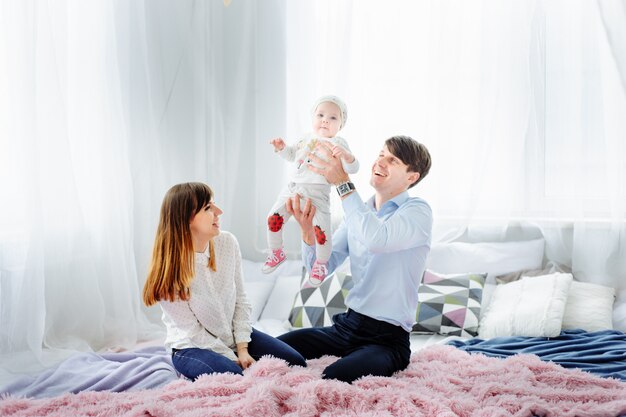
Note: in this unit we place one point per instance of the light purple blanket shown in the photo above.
(146, 368)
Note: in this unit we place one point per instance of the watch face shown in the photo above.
(345, 188)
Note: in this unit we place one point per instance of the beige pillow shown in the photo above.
(550, 268)
(589, 307)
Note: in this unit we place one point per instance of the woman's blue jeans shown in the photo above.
(194, 362)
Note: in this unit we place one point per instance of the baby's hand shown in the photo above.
(341, 152)
(278, 143)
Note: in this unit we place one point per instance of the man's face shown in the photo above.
(326, 120)
(389, 174)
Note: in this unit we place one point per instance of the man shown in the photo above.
(388, 239)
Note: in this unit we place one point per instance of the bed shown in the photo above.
(577, 373)
(457, 367)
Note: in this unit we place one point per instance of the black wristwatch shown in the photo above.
(345, 188)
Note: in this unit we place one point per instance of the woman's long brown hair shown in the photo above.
(171, 269)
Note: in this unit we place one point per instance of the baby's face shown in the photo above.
(326, 120)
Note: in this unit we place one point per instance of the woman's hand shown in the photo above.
(243, 357)
(278, 144)
(304, 217)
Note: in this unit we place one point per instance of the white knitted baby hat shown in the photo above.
(336, 100)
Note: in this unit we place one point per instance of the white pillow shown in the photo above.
(272, 327)
(281, 298)
(494, 258)
(619, 311)
(258, 293)
(252, 270)
(532, 306)
(589, 307)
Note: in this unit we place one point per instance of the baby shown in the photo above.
(329, 117)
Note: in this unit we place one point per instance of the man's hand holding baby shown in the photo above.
(331, 169)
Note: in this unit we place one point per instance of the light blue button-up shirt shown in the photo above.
(388, 251)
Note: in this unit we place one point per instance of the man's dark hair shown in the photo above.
(411, 153)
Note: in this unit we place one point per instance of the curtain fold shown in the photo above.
(613, 15)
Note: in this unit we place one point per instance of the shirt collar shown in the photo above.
(397, 201)
(202, 256)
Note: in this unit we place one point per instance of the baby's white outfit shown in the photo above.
(309, 185)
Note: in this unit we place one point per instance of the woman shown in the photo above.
(195, 275)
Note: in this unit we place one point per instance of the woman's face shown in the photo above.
(205, 225)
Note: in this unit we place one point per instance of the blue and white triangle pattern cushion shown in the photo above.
(449, 304)
(315, 307)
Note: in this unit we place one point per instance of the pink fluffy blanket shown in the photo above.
(440, 381)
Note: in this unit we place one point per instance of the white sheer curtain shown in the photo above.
(453, 75)
(68, 276)
(104, 106)
(520, 103)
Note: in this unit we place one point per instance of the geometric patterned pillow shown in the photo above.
(449, 304)
(315, 307)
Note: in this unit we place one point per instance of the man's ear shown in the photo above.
(413, 176)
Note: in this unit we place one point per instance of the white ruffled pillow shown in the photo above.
(532, 307)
